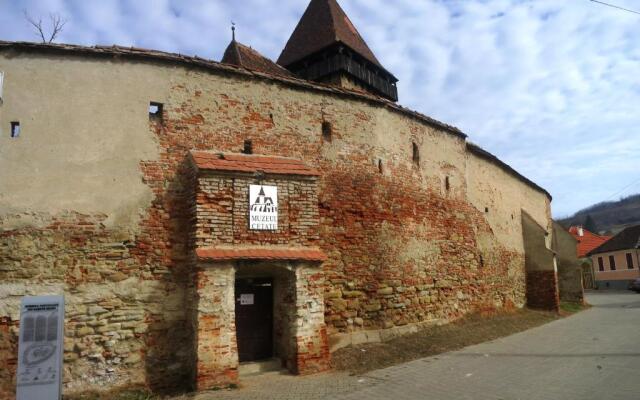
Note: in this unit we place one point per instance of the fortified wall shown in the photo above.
(416, 225)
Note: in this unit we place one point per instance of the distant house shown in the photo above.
(587, 241)
(616, 261)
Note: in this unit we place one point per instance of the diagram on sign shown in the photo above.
(39, 362)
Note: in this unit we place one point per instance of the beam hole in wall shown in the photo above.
(155, 111)
(327, 131)
(416, 154)
(15, 129)
(248, 147)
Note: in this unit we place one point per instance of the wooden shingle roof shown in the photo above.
(323, 24)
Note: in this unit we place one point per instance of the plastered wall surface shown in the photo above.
(622, 271)
(97, 203)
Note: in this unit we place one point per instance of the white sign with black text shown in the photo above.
(263, 208)
(40, 348)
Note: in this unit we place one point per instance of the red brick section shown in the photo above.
(542, 290)
(250, 163)
(222, 254)
(222, 235)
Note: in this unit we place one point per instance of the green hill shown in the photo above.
(608, 216)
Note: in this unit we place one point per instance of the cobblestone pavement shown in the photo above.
(592, 355)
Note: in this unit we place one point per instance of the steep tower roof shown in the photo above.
(323, 24)
(326, 47)
(244, 56)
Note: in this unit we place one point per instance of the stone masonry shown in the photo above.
(407, 241)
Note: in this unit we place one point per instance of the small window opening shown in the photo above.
(416, 154)
(481, 261)
(447, 184)
(155, 111)
(15, 129)
(486, 209)
(248, 147)
(327, 131)
(380, 166)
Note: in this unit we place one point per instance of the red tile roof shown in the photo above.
(243, 56)
(251, 163)
(627, 239)
(588, 241)
(260, 253)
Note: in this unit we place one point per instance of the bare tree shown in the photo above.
(57, 24)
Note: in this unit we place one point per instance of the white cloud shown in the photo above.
(550, 87)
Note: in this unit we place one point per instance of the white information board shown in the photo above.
(246, 299)
(40, 348)
(263, 208)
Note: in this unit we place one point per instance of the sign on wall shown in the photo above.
(40, 348)
(263, 208)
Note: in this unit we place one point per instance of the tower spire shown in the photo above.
(233, 31)
(326, 47)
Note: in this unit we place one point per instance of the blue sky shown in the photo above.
(552, 87)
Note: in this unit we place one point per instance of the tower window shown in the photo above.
(248, 147)
(380, 166)
(15, 129)
(155, 110)
(327, 131)
(447, 184)
(416, 154)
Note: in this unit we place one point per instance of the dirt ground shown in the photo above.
(434, 340)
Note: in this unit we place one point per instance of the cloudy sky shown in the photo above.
(552, 87)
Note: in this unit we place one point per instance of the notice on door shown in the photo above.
(246, 299)
(263, 208)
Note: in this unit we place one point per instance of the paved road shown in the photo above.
(592, 355)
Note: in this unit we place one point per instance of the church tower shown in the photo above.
(326, 47)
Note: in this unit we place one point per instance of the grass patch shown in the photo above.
(569, 308)
(470, 330)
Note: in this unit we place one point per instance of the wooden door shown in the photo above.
(254, 318)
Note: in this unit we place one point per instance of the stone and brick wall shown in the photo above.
(107, 215)
(221, 224)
